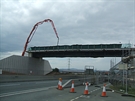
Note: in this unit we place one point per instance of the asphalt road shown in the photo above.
(19, 86)
(46, 91)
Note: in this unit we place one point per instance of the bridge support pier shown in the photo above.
(25, 65)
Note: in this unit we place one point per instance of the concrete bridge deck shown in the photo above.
(100, 50)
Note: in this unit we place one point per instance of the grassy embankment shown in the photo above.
(122, 89)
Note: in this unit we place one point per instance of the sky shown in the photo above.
(76, 22)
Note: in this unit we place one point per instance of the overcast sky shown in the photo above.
(76, 21)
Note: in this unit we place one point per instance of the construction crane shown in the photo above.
(34, 30)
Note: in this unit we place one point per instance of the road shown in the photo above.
(19, 86)
(46, 91)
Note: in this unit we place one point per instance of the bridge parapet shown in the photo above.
(100, 50)
(72, 47)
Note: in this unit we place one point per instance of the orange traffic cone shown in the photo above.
(72, 90)
(104, 91)
(86, 92)
(60, 84)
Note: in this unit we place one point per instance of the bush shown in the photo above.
(56, 70)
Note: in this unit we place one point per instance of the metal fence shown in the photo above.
(125, 76)
(123, 73)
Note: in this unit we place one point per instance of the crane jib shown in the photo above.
(34, 30)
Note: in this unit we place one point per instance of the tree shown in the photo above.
(56, 70)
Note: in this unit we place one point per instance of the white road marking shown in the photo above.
(10, 85)
(76, 97)
(24, 91)
(85, 96)
(66, 83)
(94, 90)
(81, 96)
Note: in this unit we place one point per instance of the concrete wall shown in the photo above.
(17, 78)
(25, 65)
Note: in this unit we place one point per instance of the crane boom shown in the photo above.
(34, 30)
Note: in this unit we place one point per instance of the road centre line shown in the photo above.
(83, 95)
(87, 96)
(76, 97)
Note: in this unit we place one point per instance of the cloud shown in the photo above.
(77, 22)
(80, 63)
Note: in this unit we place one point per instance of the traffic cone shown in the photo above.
(60, 84)
(104, 91)
(86, 92)
(72, 90)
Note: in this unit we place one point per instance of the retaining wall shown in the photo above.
(18, 78)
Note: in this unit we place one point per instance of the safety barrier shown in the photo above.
(17, 78)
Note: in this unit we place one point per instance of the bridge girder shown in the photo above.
(82, 53)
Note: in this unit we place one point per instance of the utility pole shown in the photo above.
(124, 66)
(69, 64)
(128, 66)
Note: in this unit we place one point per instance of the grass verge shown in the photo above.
(122, 89)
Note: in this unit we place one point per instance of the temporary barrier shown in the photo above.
(72, 90)
(104, 91)
(86, 92)
(60, 84)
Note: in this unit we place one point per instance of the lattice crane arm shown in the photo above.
(34, 30)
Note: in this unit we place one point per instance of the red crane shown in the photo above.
(34, 30)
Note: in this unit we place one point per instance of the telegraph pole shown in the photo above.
(69, 64)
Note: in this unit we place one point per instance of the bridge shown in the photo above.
(96, 50)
